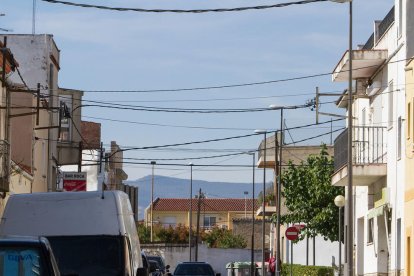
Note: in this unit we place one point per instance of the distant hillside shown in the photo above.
(170, 187)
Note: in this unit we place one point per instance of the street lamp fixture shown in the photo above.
(190, 236)
(264, 132)
(245, 203)
(152, 199)
(340, 202)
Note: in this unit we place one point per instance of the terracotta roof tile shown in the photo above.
(208, 204)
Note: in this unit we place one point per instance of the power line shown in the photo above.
(238, 9)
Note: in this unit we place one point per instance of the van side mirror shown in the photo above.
(142, 271)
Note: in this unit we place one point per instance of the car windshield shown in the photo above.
(89, 255)
(21, 261)
(193, 269)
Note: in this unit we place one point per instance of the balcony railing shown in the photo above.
(368, 146)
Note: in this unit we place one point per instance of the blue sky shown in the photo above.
(109, 50)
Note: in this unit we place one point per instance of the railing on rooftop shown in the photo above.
(386, 22)
(368, 146)
(370, 43)
(382, 28)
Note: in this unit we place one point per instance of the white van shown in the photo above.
(91, 233)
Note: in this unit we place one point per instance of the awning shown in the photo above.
(376, 212)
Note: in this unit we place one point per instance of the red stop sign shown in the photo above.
(292, 233)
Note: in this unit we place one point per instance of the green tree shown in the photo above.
(223, 238)
(309, 196)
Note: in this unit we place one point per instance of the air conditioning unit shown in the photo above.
(223, 226)
(374, 87)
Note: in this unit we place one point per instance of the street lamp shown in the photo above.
(152, 198)
(279, 187)
(245, 204)
(340, 202)
(264, 132)
(191, 209)
(350, 223)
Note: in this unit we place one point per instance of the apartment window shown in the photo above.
(209, 222)
(390, 104)
(65, 118)
(399, 137)
(370, 237)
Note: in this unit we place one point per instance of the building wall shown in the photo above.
(38, 58)
(91, 132)
(22, 134)
(69, 145)
(409, 175)
(383, 254)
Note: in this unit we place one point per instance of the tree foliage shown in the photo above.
(309, 196)
(223, 238)
(217, 238)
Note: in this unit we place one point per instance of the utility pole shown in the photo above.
(200, 195)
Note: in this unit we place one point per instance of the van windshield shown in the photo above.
(89, 255)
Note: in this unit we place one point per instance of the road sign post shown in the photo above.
(292, 234)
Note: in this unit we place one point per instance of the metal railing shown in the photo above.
(368, 146)
(386, 22)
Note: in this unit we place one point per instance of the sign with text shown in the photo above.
(74, 181)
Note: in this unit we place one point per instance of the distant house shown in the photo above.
(213, 212)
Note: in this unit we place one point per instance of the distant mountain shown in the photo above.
(171, 187)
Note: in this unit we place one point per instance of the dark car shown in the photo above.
(194, 269)
(161, 268)
(27, 256)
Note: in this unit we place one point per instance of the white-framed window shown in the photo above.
(209, 222)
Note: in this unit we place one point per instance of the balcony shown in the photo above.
(369, 156)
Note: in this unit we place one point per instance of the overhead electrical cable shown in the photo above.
(237, 9)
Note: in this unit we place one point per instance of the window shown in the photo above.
(65, 120)
(370, 237)
(209, 222)
(390, 104)
(399, 137)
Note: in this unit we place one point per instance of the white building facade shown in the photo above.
(378, 146)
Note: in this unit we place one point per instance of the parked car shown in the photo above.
(27, 256)
(146, 264)
(155, 268)
(194, 269)
(160, 267)
(91, 233)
